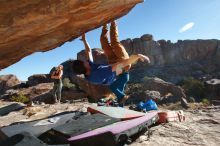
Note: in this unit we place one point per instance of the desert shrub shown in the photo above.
(67, 83)
(194, 88)
(206, 101)
(144, 79)
(20, 98)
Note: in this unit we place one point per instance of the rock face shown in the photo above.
(41, 25)
(40, 92)
(166, 53)
(163, 87)
(145, 45)
(218, 54)
(98, 56)
(152, 94)
(37, 79)
(175, 62)
(7, 82)
(72, 95)
(213, 89)
(160, 91)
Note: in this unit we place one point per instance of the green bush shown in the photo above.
(205, 101)
(144, 79)
(20, 98)
(194, 88)
(68, 84)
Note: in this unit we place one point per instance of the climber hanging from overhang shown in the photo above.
(116, 73)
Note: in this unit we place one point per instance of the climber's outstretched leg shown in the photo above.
(106, 46)
(118, 86)
(117, 47)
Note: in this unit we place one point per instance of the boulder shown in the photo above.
(98, 56)
(138, 96)
(95, 92)
(9, 93)
(165, 89)
(49, 24)
(8, 82)
(67, 71)
(37, 79)
(37, 92)
(152, 95)
(213, 89)
(73, 95)
(43, 93)
(40, 92)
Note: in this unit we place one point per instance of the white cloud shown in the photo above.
(186, 27)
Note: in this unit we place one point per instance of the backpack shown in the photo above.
(148, 105)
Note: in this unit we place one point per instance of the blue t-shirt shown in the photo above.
(101, 74)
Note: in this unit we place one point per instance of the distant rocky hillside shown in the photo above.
(164, 52)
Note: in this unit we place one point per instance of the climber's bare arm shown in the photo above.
(132, 59)
(88, 50)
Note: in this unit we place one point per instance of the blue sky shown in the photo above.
(165, 19)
